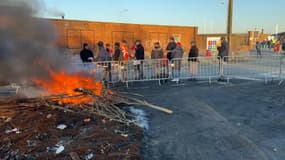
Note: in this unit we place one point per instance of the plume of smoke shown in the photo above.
(55, 12)
(27, 44)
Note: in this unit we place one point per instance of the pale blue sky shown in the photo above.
(209, 15)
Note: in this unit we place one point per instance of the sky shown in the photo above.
(209, 15)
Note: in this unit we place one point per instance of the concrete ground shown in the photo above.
(240, 121)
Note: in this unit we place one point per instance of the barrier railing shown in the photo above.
(145, 70)
(195, 68)
(251, 67)
(103, 71)
(282, 69)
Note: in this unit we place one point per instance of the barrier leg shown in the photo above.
(280, 72)
(221, 69)
(280, 83)
(127, 84)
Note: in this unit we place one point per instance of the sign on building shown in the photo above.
(213, 43)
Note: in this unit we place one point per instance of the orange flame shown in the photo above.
(62, 83)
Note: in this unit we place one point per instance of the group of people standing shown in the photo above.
(121, 53)
(278, 47)
(268, 43)
(161, 68)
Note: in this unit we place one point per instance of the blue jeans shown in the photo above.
(176, 73)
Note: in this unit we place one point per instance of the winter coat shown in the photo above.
(223, 50)
(170, 47)
(193, 54)
(85, 54)
(104, 55)
(283, 46)
(139, 52)
(258, 46)
(177, 52)
(157, 53)
(118, 55)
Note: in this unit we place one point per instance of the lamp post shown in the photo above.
(230, 26)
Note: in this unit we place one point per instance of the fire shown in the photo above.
(63, 83)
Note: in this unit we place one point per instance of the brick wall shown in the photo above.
(72, 34)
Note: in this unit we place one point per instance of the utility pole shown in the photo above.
(230, 26)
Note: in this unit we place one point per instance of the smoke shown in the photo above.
(55, 12)
(27, 44)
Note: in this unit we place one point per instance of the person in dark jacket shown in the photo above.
(258, 49)
(177, 55)
(86, 54)
(109, 49)
(170, 47)
(139, 55)
(118, 55)
(193, 60)
(104, 58)
(223, 56)
(282, 46)
(223, 49)
(139, 51)
(118, 58)
(157, 59)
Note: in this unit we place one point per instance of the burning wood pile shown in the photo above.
(73, 119)
(43, 129)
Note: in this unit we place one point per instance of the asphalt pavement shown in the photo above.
(243, 120)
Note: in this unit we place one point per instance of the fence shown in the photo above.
(102, 71)
(252, 67)
(209, 68)
(12, 89)
(146, 70)
(195, 68)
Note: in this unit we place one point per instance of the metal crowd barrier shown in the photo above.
(12, 89)
(231, 67)
(145, 70)
(195, 68)
(282, 69)
(244, 67)
(102, 71)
